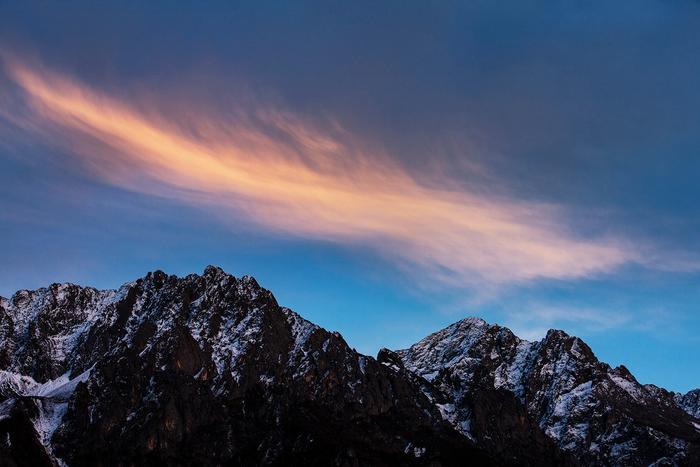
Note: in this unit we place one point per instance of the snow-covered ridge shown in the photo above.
(690, 402)
(558, 380)
(60, 388)
(59, 315)
(50, 399)
(445, 348)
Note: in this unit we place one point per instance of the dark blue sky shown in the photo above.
(577, 124)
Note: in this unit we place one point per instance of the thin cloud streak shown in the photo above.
(290, 176)
(533, 321)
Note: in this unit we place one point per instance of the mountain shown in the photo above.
(600, 415)
(690, 402)
(201, 370)
(209, 370)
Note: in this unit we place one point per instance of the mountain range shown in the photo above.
(210, 370)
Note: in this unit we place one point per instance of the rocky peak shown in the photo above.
(689, 402)
(594, 412)
(209, 369)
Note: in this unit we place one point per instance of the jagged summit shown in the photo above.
(602, 415)
(690, 402)
(209, 369)
(204, 369)
(212, 270)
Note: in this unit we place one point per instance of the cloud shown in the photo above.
(532, 319)
(533, 322)
(295, 177)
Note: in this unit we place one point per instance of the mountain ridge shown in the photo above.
(562, 385)
(165, 370)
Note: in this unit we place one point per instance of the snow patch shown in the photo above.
(634, 390)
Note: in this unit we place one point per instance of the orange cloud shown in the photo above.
(290, 176)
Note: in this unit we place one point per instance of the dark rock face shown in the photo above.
(21, 445)
(210, 370)
(597, 414)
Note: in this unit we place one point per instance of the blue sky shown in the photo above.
(387, 168)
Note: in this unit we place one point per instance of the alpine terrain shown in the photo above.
(210, 370)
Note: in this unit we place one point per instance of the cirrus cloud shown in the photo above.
(295, 177)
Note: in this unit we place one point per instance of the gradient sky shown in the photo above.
(384, 168)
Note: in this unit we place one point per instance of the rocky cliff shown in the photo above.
(209, 370)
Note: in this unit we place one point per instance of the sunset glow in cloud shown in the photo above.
(290, 176)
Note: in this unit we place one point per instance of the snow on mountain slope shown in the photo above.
(209, 369)
(690, 402)
(598, 413)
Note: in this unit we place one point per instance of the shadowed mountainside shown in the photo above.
(209, 370)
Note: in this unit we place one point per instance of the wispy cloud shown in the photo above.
(532, 322)
(288, 175)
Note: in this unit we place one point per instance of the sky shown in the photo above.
(385, 168)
